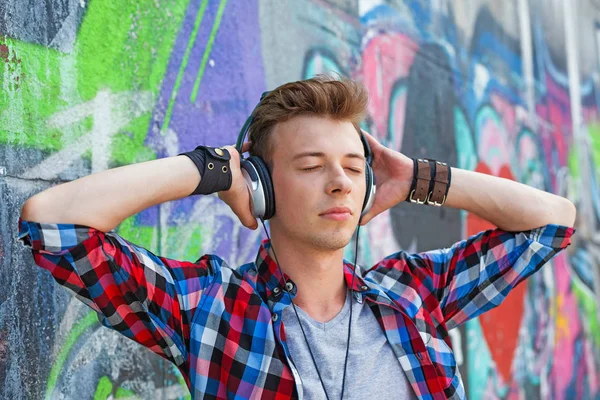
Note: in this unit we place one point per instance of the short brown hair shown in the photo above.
(340, 98)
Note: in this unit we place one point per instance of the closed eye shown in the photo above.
(358, 171)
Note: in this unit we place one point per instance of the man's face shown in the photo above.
(318, 164)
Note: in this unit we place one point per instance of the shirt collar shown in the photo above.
(270, 276)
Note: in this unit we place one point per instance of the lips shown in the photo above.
(337, 210)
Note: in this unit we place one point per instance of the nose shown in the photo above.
(339, 181)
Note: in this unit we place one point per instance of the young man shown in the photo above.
(318, 331)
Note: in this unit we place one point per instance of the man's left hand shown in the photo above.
(393, 176)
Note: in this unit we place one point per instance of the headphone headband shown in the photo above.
(368, 153)
(244, 132)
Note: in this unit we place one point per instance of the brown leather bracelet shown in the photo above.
(441, 184)
(431, 181)
(421, 178)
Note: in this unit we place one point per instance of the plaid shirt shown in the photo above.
(222, 326)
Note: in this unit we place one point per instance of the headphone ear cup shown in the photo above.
(266, 186)
(371, 189)
(255, 187)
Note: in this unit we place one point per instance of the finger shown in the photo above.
(251, 222)
(246, 147)
(373, 212)
(365, 219)
(368, 217)
(240, 209)
(247, 213)
(246, 218)
(371, 139)
(251, 225)
(230, 148)
(251, 219)
(367, 134)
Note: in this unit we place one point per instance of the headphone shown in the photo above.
(258, 178)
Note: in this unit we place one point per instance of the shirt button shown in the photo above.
(364, 287)
(274, 317)
(276, 290)
(289, 286)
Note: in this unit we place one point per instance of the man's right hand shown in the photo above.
(238, 195)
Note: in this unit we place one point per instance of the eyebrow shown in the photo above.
(321, 154)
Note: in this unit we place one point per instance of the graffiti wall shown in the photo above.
(482, 84)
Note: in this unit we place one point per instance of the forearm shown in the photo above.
(509, 205)
(103, 200)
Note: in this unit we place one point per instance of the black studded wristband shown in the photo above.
(213, 165)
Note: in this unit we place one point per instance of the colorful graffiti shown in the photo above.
(88, 86)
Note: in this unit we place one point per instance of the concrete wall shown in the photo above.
(497, 87)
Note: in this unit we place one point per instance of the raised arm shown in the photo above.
(104, 199)
(146, 297)
(511, 206)
(476, 274)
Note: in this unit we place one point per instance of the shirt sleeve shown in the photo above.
(147, 298)
(476, 274)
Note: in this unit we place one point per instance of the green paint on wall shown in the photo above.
(189, 251)
(37, 95)
(208, 49)
(183, 65)
(573, 162)
(128, 146)
(589, 311)
(181, 381)
(123, 46)
(123, 393)
(103, 389)
(78, 329)
(594, 131)
(575, 158)
(146, 237)
(126, 45)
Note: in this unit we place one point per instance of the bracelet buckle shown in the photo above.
(434, 203)
(417, 201)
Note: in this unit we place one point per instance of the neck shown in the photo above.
(318, 274)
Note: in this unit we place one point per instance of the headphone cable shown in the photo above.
(300, 322)
(351, 301)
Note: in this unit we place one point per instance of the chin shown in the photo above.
(314, 234)
(332, 241)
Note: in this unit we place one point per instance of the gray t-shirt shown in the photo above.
(373, 369)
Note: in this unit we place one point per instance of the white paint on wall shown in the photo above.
(111, 112)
